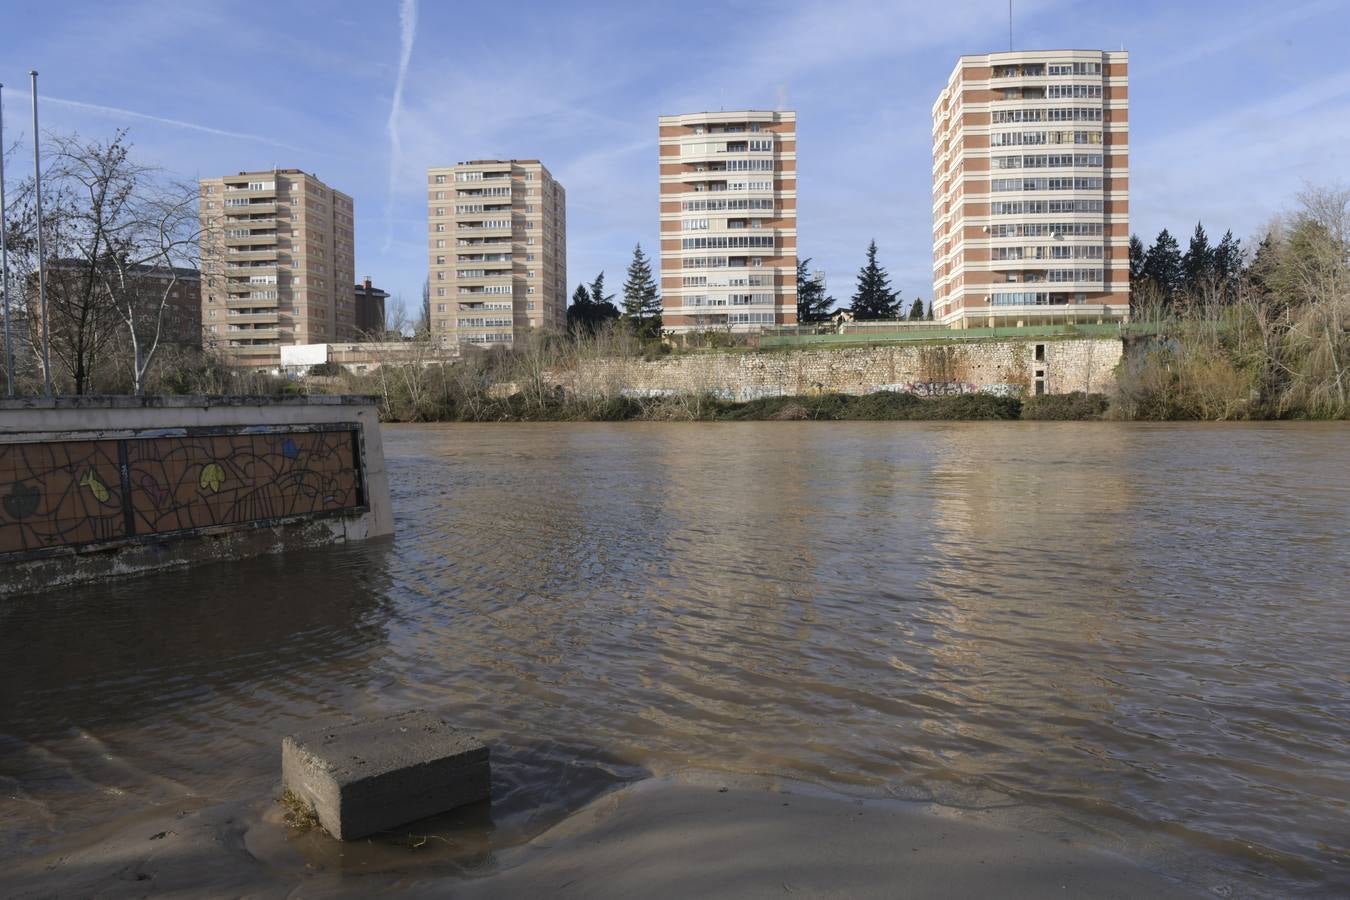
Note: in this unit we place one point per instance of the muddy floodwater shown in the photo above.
(1135, 636)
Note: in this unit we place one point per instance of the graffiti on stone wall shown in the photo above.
(948, 388)
(70, 493)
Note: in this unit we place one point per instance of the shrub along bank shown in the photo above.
(882, 406)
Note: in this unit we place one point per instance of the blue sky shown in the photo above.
(1234, 106)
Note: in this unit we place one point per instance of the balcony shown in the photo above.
(252, 334)
(257, 318)
(251, 255)
(251, 240)
(251, 303)
(252, 208)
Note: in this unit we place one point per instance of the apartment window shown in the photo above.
(211, 313)
(440, 210)
(440, 226)
(529, 257)
(440, 292)
(440, 276)
(529, 273)
(440, 179)
(440, 195)
(440, 307)
(529, 290)
(440, 244)
(529, 240)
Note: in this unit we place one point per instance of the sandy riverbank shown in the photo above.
(654, 839)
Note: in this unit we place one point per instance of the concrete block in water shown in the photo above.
(369, 776)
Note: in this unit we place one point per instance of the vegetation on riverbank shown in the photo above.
(1232, 337)
(880, 406)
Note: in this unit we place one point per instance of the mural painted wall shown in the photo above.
(70, 493)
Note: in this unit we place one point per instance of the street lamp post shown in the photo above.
(4, 256)
(41, 252)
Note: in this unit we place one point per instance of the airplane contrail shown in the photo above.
(177, 123)
(407, 20)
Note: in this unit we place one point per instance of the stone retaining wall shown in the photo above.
(1003, 367)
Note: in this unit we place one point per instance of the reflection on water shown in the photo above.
(1135, 630)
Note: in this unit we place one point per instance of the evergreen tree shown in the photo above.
(1228, 265)
(641, 301)
(425, 324)
(1261, 273)
(1137, 256)
(916, 310)
(1197, 266)
(579, 312)
(597, 291)
(812, 304)
(874, 298)
(585, 316)
(1162, 265)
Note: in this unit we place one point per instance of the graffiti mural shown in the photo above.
(70, 493)
(948, 388)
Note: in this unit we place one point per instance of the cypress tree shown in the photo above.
(641, 301)
(586, 314)
(916, 310)
(1137, 256)
(598, 296)
(812, 304)
(1228, 265)
(1197, 266)
(579, 312)
(1162, 265)
(874, 298)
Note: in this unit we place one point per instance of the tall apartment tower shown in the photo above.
(728, 220)
(497, 241)
(277, 264)
(1031, 189)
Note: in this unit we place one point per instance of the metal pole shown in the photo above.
(4, 256)
(42, 257)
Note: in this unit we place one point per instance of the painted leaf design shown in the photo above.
(95, 487)
(213, 476)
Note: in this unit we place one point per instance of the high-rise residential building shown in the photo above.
(369, 308)
(1031, 189)
(277, 264)
(497, 244)
(728, 220)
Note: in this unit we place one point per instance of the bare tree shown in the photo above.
(118, 237)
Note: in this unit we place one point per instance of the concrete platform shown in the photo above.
(371, 776)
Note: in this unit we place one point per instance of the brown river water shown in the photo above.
(1137, 635)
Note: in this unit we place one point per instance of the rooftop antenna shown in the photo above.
(782, 97)
(1010, 39)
